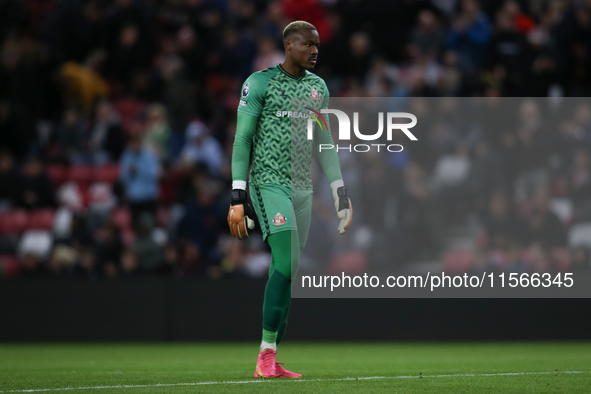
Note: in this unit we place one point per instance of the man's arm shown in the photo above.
(241, 214)
(329, 161)
(245, 128)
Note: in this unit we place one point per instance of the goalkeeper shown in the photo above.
(280, 183)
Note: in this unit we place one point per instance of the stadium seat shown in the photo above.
(561, 258)
(82, 175)
(129, 107)
(9, 266)
(13, 221)
(57, 173)
(121, 218)
(108, 173)
(458, 260)
(351, 262)
(41, 219)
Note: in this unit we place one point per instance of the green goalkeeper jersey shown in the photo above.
(282, 152)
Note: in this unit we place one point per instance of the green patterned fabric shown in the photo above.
(280, 144)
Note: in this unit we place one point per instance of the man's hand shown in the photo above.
(344, 208)
(240, 214)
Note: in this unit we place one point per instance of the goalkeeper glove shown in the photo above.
(240, 214)
(344, 208)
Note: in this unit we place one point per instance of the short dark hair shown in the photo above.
(296, 26)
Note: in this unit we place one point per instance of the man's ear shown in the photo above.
(287, 45)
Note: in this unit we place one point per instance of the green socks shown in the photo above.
(269, 336)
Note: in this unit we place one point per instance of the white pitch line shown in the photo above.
(135, 386)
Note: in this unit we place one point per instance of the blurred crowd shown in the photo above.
(117, 119)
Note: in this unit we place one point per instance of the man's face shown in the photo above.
(302, 48)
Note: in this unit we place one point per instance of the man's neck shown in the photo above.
(293, 69)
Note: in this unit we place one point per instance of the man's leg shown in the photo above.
(275, 212)
(294, 250)
(285, 260)
(302, 202)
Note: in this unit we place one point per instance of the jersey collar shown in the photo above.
(291, 76)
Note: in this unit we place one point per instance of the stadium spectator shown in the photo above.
(88, 266)
(145, 247)
(428, 37)
(502, 225)
(71, 136)
(8, 180)
(35, 189)
(130, 267)
(139, 173)
(508, 52)
(579, 184)
(15, 128)
(417, 228)
(158, 131)
(236, 54)
(82, 86)
(268, 54)
(542, 225)
(109, 248)
(31, 266)
(258, 259)
(360, 48)
(201, 225)
(201, 147)
(171, 262)
(107, 139)
(129, 55)
(192, 50)
(469, 35)
(177, 96)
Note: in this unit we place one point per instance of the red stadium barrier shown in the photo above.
(57, 173)
(108, 173)
(9, 266)
(41, 219)
(457, 260)
(13, 222)
(82, 175)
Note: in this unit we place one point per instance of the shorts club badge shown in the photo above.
(279, 219)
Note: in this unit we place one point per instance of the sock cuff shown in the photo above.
(269, 336)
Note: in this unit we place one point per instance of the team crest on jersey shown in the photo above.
(279, 219)
(314, 94)
(245, 90)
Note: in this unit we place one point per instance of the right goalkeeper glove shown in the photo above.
(344, 208)
(240, 214)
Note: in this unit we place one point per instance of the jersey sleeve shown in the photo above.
(252, 95)
(245, 129)
(328, 158)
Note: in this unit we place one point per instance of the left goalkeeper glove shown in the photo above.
(240, 214)
(344, 208)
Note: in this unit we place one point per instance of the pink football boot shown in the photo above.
(284, 373)
(266, 364)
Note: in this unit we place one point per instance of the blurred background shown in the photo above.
(117, 120)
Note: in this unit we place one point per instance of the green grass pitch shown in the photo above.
(490, 367)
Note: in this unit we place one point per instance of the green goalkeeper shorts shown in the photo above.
(278, 206)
